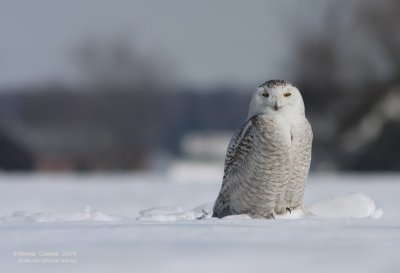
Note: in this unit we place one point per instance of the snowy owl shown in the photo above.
(268, 158)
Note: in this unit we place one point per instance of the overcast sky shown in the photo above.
(206, 42)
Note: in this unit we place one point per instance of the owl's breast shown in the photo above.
(275, 131)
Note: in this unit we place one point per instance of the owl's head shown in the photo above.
(276, 96)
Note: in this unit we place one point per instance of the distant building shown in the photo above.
(13, 155)
(60, 149)
(205, 145)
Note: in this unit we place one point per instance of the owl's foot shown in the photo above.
(273, 215)
(295, 210)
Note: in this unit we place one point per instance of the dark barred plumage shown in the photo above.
(274, 83)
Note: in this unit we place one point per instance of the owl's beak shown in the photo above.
(277, 105)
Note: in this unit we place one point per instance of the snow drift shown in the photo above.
(87, 214)
(351, 205)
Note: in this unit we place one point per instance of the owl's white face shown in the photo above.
(279, 99)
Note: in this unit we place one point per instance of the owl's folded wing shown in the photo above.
(238, 148)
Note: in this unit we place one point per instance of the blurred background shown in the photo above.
(160, 86)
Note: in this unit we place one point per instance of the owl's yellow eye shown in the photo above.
(265, 95)
(287, 94)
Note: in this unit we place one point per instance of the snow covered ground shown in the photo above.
(91, 223)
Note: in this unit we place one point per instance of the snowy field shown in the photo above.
(91, 223)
